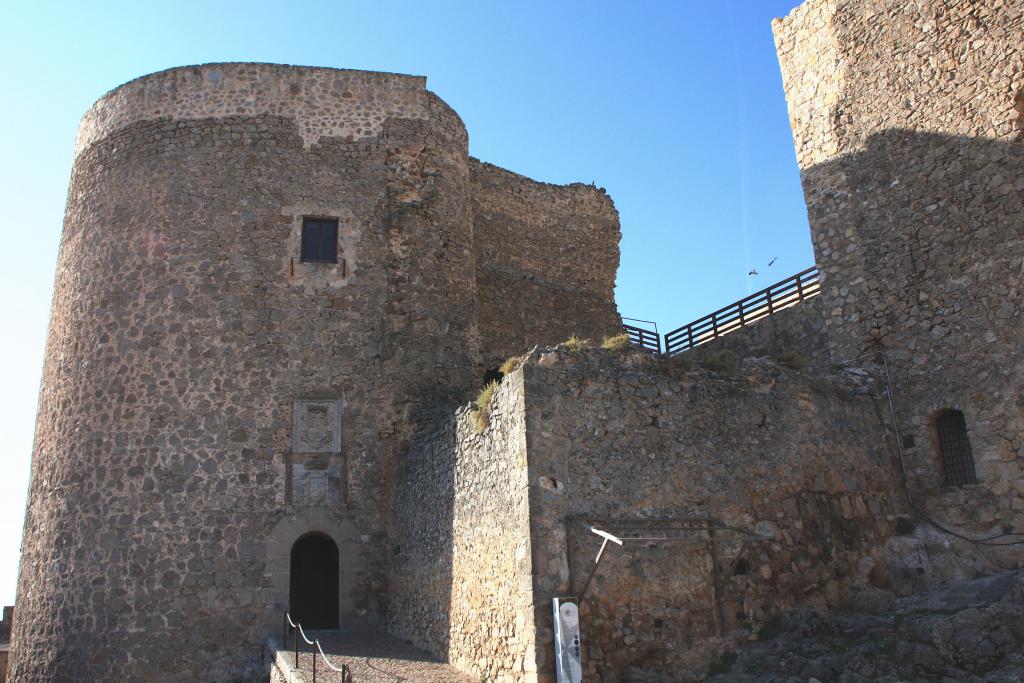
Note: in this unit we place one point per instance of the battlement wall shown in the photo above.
(546, 260)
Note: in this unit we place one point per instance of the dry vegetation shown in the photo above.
(511, 365)
(616, 343)
(575, 343)
(482, 409)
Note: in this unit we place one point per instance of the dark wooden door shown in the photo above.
(313, 583)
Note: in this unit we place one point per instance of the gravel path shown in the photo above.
(374, 657)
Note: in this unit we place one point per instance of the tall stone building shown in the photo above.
(276, 284)
(268, 275)
(908, 121)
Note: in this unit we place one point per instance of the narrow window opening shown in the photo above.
(955, 449)
(319, 240)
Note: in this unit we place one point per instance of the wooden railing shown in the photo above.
(768, 301)
(649, 340)
(759, 305)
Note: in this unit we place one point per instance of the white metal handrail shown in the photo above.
(344, 670)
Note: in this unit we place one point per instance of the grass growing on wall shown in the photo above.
(725, 362)
(511, 365)
(792, 359)
(616, 343)
(482, 408)
(681, 361)
(575, 343)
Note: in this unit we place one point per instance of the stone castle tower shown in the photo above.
(268, 275)
(908, 122)
(275, 283)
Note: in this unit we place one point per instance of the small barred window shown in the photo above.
(319, 240)
(955, 449)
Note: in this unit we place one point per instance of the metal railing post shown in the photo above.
(295, 637)
(314, 664)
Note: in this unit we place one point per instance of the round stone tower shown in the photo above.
(265, 277)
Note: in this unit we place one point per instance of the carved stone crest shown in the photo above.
(316, 426)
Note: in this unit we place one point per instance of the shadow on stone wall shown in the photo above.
(422, 549)
(920, 240)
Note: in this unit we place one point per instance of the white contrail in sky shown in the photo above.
(741, 110)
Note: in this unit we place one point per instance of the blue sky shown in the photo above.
(676, 108)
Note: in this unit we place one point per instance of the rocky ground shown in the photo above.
(968, 631)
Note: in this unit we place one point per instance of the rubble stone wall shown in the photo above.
(546, 258)
(208, 398)
(771, 488)
(799, 329)
(755, 492)
(184, 329)
(461, 549)
(908, 130)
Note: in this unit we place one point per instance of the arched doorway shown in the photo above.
(313, 582)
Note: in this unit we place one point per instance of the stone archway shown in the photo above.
(351, 564)
(313, 582)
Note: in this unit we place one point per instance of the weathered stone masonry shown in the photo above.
(546, 257)
(793, 469)
(908, 133)
(462, 584)
(208, 398)
(167, 487)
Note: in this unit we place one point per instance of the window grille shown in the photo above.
(955, 449)
(319, 240)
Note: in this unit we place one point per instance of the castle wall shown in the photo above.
(167, 487)
(546, 258)
(461, 549)
(792, 468)
(907, 121)
(799, 329)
